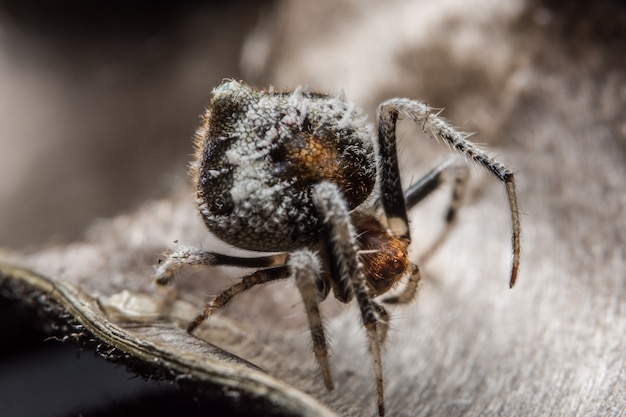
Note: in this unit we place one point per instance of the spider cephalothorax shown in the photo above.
(305, 174)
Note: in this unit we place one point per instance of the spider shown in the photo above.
(305, 175)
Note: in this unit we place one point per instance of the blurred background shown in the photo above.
(99, 102)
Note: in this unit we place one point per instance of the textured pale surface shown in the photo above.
(551, 103)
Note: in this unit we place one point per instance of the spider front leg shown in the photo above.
(437, 128)
(396, 202)
(346, 271)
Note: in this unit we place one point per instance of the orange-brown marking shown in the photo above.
(314, 157)
(388, 260)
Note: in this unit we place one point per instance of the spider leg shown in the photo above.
(416, 193)
(391, 186)
(439, 129)
(346, 270)
(431, 181)
(183, 256)
(306, 269)
(383, 323)
(410, 290)
(259, 277)
(461, 175)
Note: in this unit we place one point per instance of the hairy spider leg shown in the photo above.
(303, 265)
(433, 180)
(262, 276)
(274, 269)
(414, 195)
(383, 323)
(346, 269)
(188, 256)
(391, 192)
(460, 176)
(307, 271)
(438, 129)
(397, 202)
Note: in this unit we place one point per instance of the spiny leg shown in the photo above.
(439, 129)
(259, 277)
(346, 269)
(188, 256)
(306, 270)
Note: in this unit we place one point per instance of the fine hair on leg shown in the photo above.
(189, 256)
(342, 253)
(306, 269)
(437, 128)
(259, 277)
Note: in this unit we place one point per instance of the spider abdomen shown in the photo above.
(259, 155)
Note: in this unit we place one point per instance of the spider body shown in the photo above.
(306, 175)
(254, 185)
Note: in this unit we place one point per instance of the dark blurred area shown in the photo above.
(99, 102)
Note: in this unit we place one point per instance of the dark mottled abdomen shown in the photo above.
(259, 155)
